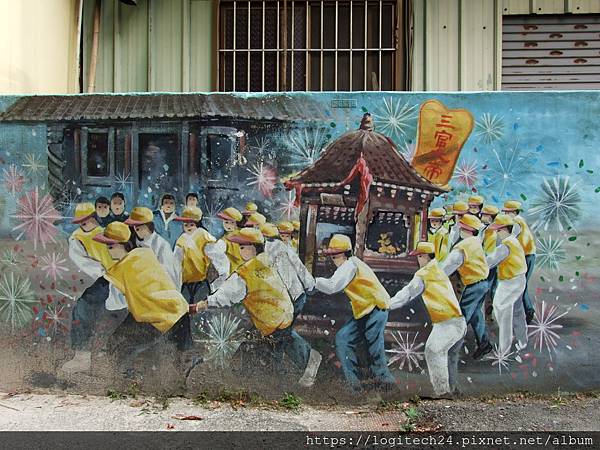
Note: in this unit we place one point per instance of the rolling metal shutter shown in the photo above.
(551, 52)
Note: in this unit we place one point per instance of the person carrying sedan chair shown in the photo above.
(232, 222)
(438, 234)
(509, 258)
(475, 203)
(255, 220)
(286, 231)
(370, 308)
(195, 251)
(257, 285)
(448, 324)
(489, 238)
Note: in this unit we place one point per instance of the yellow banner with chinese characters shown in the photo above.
(441, 135)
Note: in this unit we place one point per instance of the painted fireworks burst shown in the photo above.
(557, 205)
(260, 146)
(489, 128)
(394, 118)
(406, 351)
(13, 179)
(223, 337)
(500, 359)
(9, 257)
(508, 169)
(53, 265)
(288, 208)
(37, 216)
(33, 164)
(123, 181)
(306, 146)
(264, 178)
(16, 300)
(550, 252)
(211, 209)
(408, 150)
(544, 329)
(466, 174)
(55, 319)
(68, 202)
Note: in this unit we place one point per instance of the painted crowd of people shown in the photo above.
(157, 269)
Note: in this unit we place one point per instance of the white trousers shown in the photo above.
(509, 313)
(441, 353)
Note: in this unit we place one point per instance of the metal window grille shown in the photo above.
(315, 45)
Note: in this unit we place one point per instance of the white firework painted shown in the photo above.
(37, 216)
(287, 208)
(508, 168)
(466, 173)
(53, 265)
(223, 337)
(263, 178)
(33, 164)
(56, 319)
(212, 209)
(406, 351)
(306, 146)
(123, 181)
(500, 359)
(13, 179)
(394, 118)
(9, 257)
(16, 300)
(260, 145)
(550, 252)
(543, 331)
(407, 150)
(557, 205)
(489, 128)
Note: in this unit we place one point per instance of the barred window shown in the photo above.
(323, 45)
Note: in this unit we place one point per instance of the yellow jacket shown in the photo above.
(474, 267)
(267, 300)
(365, 291)
(94, 249)
(526, 237)
(438, 296)
(233, 253)
(195, 262)
(514, 264)
(489, 241)
(150, 292)
(439, 239)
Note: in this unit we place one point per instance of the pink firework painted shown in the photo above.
(288, 208)
(53, 265)
(37, 216)
(264, 178)
(466, 174)
(13, 179)
(544, 329)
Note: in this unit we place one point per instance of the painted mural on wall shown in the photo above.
(405, 241)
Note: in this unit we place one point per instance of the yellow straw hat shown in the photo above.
(423, 248)
(511, 205)
(437, 213)
(248, 236)
(139, 216)
(114, 233)
(470, 222)
(339, 243)
(269, 230)
(230, 214)
(501, 221)
(490, 210)
(460, 208)
(256, 219)
(475, 200)
(285, 228)
(83, 211)
(190, 214)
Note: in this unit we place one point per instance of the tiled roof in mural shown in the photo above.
(383, 160)
(147, 106)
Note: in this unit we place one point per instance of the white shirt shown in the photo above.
(453, 235)
(499, 255)
(453, 261)
(116, 300)
(78, 254)
(214, 251)
(408, 293)
(232, 291)
(296, 278)
(341, 278)
(164, 254)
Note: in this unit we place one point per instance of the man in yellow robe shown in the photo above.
(448, 324)
(489, 237)
(258, 286)
(509, 258)
(475, 203)
(232, 221)
(93, 259)
(524, 235)
(370, 308)
(438, 234)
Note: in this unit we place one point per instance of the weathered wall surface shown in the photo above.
(537, 148)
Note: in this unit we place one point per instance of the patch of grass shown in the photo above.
(558, 400)
(412, 414)
(115, 395)
(290, 401)
(201, 399)
(133, 390)
(232, 396)
(163, 401)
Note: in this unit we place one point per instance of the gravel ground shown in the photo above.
(33, 411)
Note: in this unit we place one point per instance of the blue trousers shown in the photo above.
(293, 345)
(493, 281)
(86, 313)
(470, 304)
(527, 303)
(368, 329)
(299, 304)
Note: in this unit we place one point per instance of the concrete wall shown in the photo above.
(39, 46)
(538, 148)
